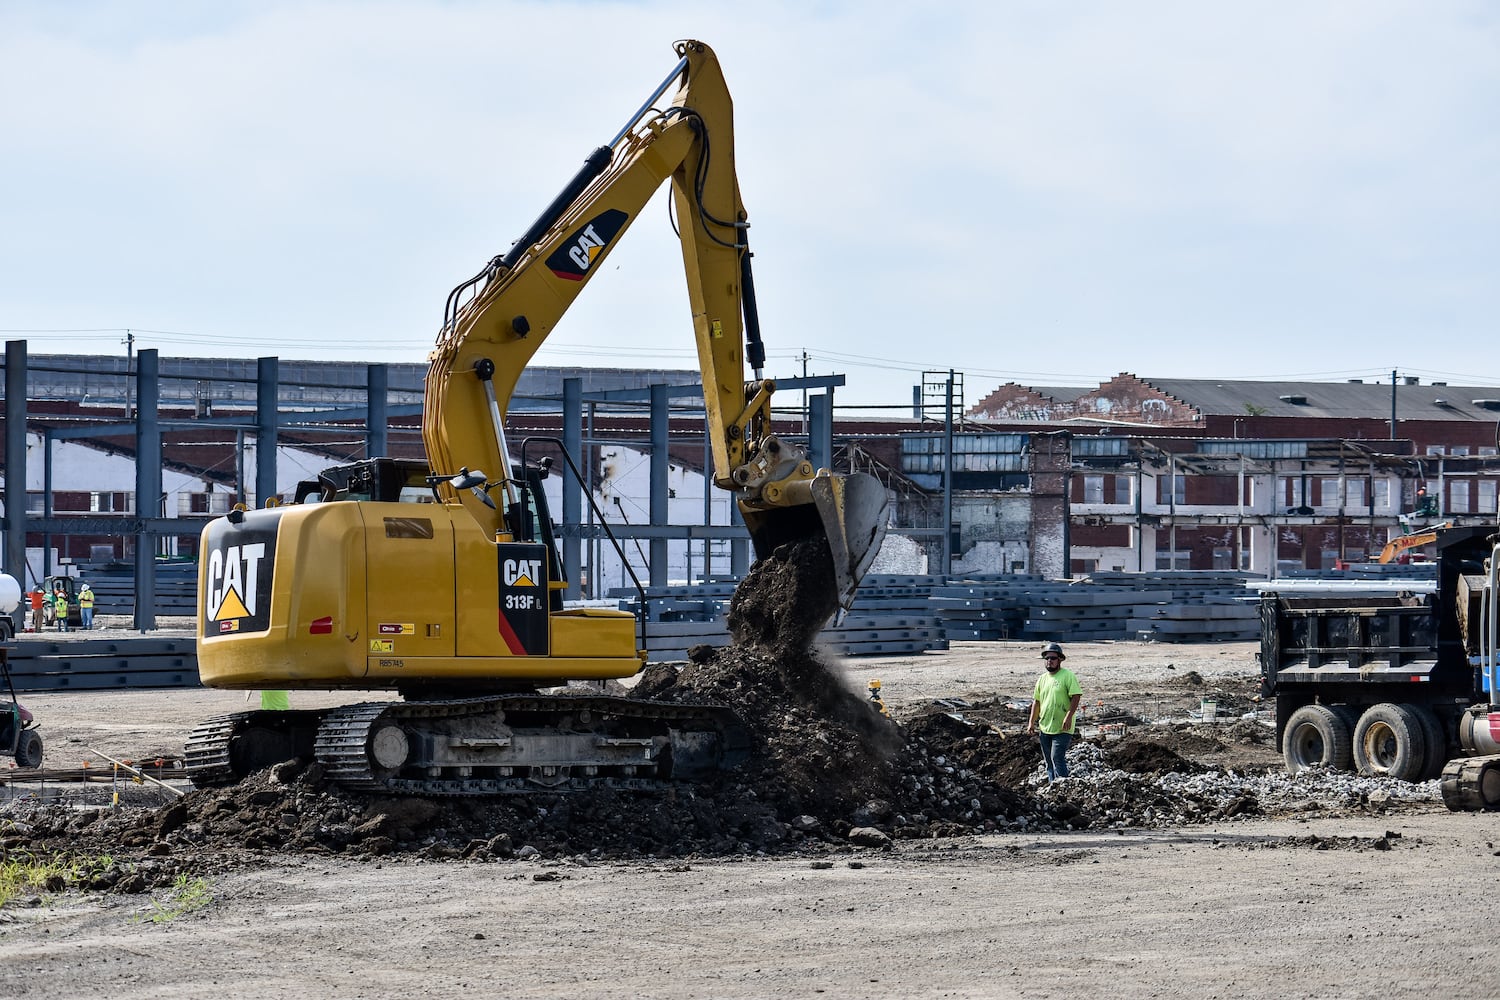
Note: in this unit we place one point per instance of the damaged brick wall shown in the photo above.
(1123, 398)
(1049, 462)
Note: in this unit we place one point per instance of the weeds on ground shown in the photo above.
(23, 872)
(187, 895)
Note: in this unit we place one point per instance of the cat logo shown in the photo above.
(521, 572)
(236, 578)
(578, 253)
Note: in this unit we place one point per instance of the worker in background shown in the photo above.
(1054, 705)
(38, 617)
(60, 608)
(86, 605)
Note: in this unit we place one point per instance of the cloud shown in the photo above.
(1009, 187)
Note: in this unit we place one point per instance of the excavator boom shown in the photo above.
(495, 323)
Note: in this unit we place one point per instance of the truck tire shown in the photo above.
(1316, 736)
(1388, 743)
(29, 749)
(1433, 738)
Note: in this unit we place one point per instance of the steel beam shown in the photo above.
(147, 483)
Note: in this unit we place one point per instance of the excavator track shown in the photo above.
(206, 752)
(226, 748)
(1472, 784)
(526, 743)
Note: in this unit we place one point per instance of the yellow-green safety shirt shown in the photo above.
(1053, 694)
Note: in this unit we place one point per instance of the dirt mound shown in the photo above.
(825, 770)
(1145, 756)
(816, 747)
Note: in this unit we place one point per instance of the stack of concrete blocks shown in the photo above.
(891, 615)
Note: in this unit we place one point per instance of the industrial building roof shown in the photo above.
(1343, 400)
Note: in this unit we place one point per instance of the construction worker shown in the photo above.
(1054, 703)
(86, 605)
(60, 608)
(38, 617)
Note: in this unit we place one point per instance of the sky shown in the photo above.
(1035, 192)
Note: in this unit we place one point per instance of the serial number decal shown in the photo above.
(393, 663)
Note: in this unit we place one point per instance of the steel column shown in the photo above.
(659, 479)
(820, 430)
(377, 383)
(15, 468)
(267, 381)
(572, 491)
(147, 484)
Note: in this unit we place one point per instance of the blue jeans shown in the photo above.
(1055, 753)
(88, 617)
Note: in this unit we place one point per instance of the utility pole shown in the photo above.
(804, 392)
(129, 370)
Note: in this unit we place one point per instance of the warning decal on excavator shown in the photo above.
(237, 578)
(522, 616)
(572, 260)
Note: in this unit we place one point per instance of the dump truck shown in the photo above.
(1398, 684)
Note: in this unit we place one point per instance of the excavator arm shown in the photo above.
(495, 323)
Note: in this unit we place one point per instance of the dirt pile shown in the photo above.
(826, 771)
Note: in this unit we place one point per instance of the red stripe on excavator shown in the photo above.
(570, 275)
(512, 641)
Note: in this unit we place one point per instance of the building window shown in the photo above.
(1382, 494)
(1458, 496)
(1486, 496)
(1329, 492)
(110, 503)
(1355, 492)
(1459, 449)
(1122, 490)
(1164, 560)
(1171, 488)
(1093, 489)
(1434, 449)
(1289, 488)
(1488, 449)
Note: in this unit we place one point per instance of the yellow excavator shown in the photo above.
(442, 581)
(1402, 544)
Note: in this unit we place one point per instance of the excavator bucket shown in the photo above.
(848, 509)
(852, 509)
